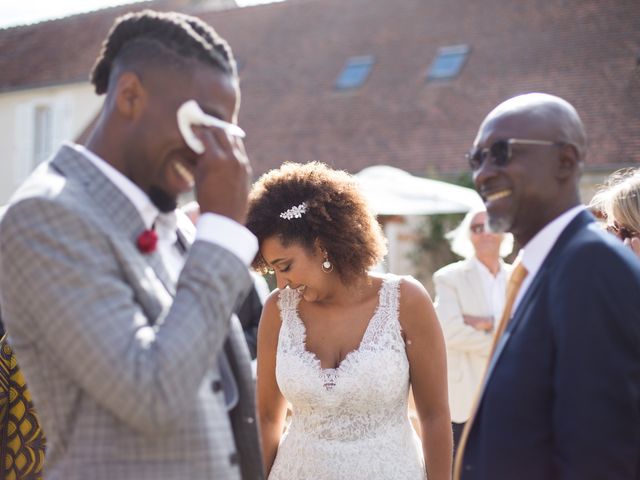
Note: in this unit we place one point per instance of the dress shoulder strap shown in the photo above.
(292, 331)
(384, 330)
(390, 293)
(288, 300)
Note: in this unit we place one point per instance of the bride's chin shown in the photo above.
(309, 296)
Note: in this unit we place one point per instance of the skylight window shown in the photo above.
(448, 62)
(355, 72)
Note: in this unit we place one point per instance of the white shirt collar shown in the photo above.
(140, 200)
(481, 266)
(536, 250)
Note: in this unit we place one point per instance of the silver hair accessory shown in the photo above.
(295, 212)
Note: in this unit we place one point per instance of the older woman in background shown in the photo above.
(619, 203)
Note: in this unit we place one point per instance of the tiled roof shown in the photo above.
(63, 50)
(586, 51)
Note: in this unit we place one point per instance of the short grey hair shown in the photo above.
(460, 237)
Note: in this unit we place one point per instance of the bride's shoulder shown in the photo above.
(410, 288)
(415, 301)
(273, 304)
(281, 303)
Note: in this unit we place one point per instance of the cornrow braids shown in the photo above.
(221, 47)
(171, 36)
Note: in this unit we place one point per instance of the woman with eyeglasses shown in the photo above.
(619, 203)
(470, 296)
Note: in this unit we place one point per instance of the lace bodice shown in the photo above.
(350, 421)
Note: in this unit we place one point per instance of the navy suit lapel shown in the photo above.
(112, 206)
(506, 336)
(580, 221)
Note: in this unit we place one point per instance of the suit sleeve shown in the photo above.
(64, 290)
(457, 334)
(595, 314)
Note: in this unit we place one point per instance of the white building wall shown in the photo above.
(65, 111)
(401, 237)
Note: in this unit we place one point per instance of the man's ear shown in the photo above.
(130, 96)
(568, 162)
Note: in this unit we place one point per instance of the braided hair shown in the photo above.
(168, 37)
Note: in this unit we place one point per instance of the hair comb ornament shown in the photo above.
(295, 212)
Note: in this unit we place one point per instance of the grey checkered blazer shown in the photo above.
(122, 363)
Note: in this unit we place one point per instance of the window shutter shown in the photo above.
(23, 142)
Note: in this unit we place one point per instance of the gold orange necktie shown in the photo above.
(513, 287)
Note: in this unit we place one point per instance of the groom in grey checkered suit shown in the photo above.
(128, 345)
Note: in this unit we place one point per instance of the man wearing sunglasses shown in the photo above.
(560, 398)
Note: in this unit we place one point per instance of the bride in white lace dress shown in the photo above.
(341, 346)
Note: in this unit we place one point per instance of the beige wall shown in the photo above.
(591, 182)
(53, 114)
(401, 237)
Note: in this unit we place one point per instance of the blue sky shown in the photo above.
(18, 12)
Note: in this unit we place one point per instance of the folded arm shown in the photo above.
(461, 332)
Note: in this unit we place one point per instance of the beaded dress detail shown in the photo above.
(348, 422)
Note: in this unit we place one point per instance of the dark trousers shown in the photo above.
(457, 433)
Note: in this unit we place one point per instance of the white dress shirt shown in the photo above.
(211, 227)
(494, 286)
(532, 255)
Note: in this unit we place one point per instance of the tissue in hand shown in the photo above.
(190, 114)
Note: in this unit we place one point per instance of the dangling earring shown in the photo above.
(327, 267)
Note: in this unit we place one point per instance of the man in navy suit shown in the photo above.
(561, 397)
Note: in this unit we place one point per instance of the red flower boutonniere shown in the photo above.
(147, 241)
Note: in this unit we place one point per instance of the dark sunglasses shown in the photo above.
(500, 152)
(621, 232)
(477, 228)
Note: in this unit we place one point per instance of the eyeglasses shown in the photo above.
(477, 228)
(500, 152)
(621, 232)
